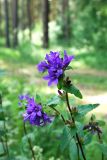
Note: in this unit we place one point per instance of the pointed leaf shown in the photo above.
(73, 90)
(54, 101)
(84, 109)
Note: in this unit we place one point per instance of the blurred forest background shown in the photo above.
(28, 30)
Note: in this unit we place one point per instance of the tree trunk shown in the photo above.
(0, 19)
(66, 19)
(7, 23)
(29, 17)
(45, 23)
(15, 23)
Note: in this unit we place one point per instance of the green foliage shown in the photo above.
(67, 136)
(89, 35)
(2, 153)
(73, 90)
(73, 153)
(1, 112)
(56, 100)
(2, 132)
(90, 24)
(1, 117)
(87, 138)
(69, 67)
(84, 109)
(101, 123)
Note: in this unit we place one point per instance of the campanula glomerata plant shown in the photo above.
(75, 135)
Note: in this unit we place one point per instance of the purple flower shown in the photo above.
(21, 97)
(55, 66)
(34, 112)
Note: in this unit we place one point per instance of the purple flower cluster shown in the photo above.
(34, 112)
(55, 66)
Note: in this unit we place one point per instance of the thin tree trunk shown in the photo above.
(15, 23)
(0, 19)
(29, 17)
(22, 18)
(7, 23)
(45, 23)
(66, 19)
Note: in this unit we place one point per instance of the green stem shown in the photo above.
(69, 108)
(4, 124)
(80, 145)
(29, 141)
(59, 114)
(77, 136)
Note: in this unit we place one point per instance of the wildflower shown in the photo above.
(34, 112)
(55, 66)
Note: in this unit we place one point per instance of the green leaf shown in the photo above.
(73, 90)
(79, 127)
(67, 136)
(103, 148)
(84, 109)
(88, 138)
(54, 101)
(73, 150)
(69, 67)
(28, 135)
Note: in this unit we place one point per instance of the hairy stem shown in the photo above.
(29, 141)
(77, 136)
